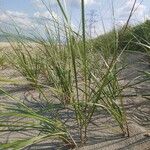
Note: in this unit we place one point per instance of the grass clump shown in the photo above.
(2, 60)
(25, 61)
(31, 120)
(72, 78)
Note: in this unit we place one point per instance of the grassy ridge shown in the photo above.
(129, 39)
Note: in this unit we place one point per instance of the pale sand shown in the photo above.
(103, 133)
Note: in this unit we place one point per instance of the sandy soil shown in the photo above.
(103, 133)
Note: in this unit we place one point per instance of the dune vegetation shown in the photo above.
(79, 77)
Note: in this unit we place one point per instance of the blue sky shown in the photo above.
(26, 12)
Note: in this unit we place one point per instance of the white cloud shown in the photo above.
(19, 18)
(90, 2)
(124, 11)
(46, 15)
(37, 3)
